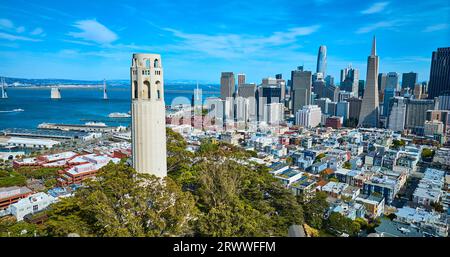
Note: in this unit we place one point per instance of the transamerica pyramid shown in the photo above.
(369, 114)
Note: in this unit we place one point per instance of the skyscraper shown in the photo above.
(342, 110)
(271, 93)
(329, 80)
(389, 93)
(440, 73)
(409, 80)
(397, 116)
(350, 80)
(392, 81)
(361, 87)
(227, 85)
(274, 113)
(344, 73)
(241, 79)
(148, 126)
(323, 104)
(322, 90)
(369, 108)
(390, 90)
(301, 88)
(354, 108)
(416, 111)
(247, 90)
(322, 60)
(381, 85)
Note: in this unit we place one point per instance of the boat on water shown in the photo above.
(55, 93)
(15, 110)
(119, 115)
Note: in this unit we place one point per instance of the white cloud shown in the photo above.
(375, 8)
(236, 45)
(11, 31)
(6, 24)
(14, 37)
(436, 27)
(372, 27)
(37, 31)
(78, 42)
(20, 29)
(92, 30)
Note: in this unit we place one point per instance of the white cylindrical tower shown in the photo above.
(148, 115)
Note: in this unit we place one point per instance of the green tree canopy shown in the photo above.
(427, 153)
(121, 202)
(314, 210)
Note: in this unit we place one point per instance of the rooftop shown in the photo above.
(14, 190)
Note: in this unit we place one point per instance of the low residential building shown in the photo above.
(432, 223)
(429, 190)
(334, 189)
(305, 187)
(382, 185)
(351, 210)
(318, 167)
(374, 205)
(31, 204)
(442, 157)
(389, 228)
(289, 176)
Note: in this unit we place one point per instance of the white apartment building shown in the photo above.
(309, 116)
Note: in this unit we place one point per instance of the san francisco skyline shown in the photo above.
(77, 41)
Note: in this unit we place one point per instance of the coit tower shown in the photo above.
(148, 130)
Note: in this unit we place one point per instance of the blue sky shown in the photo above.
(199, 39)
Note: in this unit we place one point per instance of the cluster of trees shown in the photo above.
(212, 192)
(9, 178)
(10, 228)
(347, 165)
(427, 154)
(397, 144)
(337, 223)
(48, 175)
(19, 176)
(122, 202)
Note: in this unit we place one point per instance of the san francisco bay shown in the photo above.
(76, 106)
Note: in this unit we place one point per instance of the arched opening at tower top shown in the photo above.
(147, 93)
(158, 89)
(135, 90)
(156, 63)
